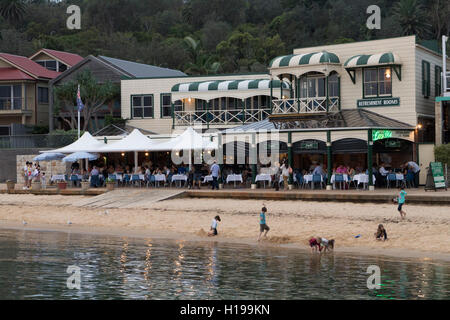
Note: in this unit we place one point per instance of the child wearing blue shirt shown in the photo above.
(262, 223)
(401, 202)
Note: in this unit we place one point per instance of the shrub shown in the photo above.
(442, 154)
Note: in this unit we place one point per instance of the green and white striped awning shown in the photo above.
(294, 60)
(365, 60)
(228, 85)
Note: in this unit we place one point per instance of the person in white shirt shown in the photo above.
(416, 170)
(25, 176)
(285, 174)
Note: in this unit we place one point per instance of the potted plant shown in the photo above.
(61, 185)
(85, 184)
(110, 183)
(10, 186)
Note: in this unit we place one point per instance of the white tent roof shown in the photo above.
(86, 143)
(135, 141)
(188, 140)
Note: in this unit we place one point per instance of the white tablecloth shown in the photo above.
(180, 177)
(293, 176)
(263, 177)
(58, 177)
(400, 176)
(160, 177)
(234, 178)
(363, 178)
(333, 178)
(308, 178)
(207, 179)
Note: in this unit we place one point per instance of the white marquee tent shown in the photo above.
(85, 143)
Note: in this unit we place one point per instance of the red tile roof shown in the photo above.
(29, 66)
(68, 58)
(13, 74)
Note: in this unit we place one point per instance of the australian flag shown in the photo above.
(80, 104)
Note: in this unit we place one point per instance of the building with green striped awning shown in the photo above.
(367, 60)
(228, 85)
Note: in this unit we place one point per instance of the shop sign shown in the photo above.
(438, 174)
(378, 102)
(392, 144)
(385, 134)
(309, 145)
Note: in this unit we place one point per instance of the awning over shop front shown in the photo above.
(229, 85)
(367, 60)
(294, 60)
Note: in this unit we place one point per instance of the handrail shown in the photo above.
(222, 116)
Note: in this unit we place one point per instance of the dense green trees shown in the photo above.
(230, 35)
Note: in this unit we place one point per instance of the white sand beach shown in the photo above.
(424, 233)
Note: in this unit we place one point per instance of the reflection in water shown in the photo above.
(33, 266)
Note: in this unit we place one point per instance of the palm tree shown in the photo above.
(410, 14)
(12, 10)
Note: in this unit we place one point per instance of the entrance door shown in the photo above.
(425, 156)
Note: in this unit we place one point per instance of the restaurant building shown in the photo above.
(356, 103)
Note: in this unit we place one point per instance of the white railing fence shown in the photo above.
(229, 117)
(305, 105)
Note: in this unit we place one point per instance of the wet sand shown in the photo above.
(425, 233)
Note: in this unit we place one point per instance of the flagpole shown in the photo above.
(78, 115)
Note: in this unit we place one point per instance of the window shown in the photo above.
(437, 81)
(333, 85)
(10, 97)
(42, 95)
(425, 78)
(312, 87)
(166, 105)
(62, 67)
(49, 64)
(377, 82)
(5, 130)
(142, 106)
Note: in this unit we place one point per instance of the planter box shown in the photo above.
(85, 185)
(36, 185)
(10, 186)
(61, 185)
(110, 186)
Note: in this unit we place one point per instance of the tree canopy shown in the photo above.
(208, 36)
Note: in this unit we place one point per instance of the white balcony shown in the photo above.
(306, 105)
(221, 117)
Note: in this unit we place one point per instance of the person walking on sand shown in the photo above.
(213, 231)
(401, 201)
(262, 223)
(381, 232)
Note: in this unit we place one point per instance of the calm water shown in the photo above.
(33, 265)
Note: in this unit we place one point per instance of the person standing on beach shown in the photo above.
(213, 231)
(401, 201)
(285, 172)
(262, 223)
(215, 169)
(25, 176)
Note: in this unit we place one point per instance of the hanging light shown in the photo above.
(123, 154)
(419, 126)
(387, 73)
(146, 154)
(189, 99)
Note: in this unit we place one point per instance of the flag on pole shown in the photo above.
(80, 104)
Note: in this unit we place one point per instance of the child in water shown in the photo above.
(314, 243)
(326, 244)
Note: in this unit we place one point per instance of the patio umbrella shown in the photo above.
(49, 156)
(80, 155)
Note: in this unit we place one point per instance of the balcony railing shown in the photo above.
(227, 117)
(15, 104)
(36, 141)
(306, 105)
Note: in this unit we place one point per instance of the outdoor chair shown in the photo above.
(339, 178)
(391, 177)
(126, 179)
(113, 177)
(135, 180)
(409, 180)
(95, 181)
(317, 178)
(74, 179)
(151, 180)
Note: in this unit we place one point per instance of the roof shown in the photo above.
(226, 85)
(85, 143)
(363, 60)
(294, 60)
(28, 66)
(344, 119)
(135, 141)
(139, 70)
(68, 58)
(118, 130)
(13, 74)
